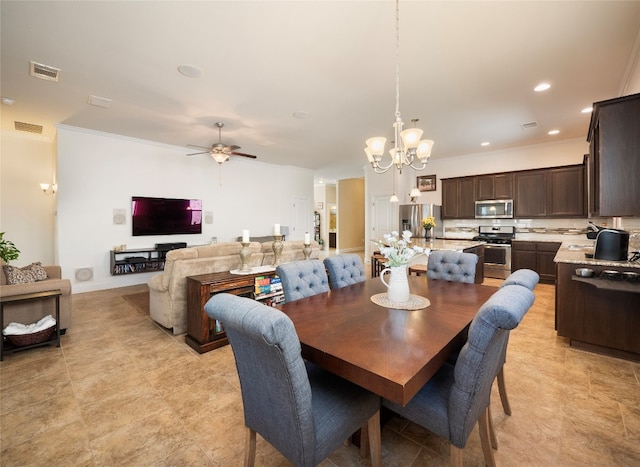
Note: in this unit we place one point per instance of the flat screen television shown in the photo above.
(165, 216)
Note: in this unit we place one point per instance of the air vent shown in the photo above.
(526, 126)
(28, 127)
(38, 70)
(99, 101)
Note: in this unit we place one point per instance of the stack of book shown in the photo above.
(268, 290)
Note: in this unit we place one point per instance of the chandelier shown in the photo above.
(409, 149)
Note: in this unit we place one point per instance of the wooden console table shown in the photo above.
(203, 333)
(55, 294)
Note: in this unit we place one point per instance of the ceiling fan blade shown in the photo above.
(197, 153)
(199, 147)
(233, 147)
(244, 155)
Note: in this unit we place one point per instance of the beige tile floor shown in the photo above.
(122, 391)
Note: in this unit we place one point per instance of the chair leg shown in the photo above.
(503, 391)
(250, 448)
(483, 424)
(456, 456)
(492, 431)
(375, 441)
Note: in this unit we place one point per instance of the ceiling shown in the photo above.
(467, 72)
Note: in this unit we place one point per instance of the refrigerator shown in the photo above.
(411, 216)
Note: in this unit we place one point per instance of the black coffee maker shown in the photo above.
(612, 244)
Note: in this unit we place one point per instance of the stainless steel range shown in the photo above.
(497, 251)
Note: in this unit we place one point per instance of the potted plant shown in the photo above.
(8, 250)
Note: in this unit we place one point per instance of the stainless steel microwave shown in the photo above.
(494, 209)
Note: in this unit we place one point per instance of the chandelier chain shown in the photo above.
(397, 59)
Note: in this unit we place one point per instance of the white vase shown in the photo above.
(398, 285)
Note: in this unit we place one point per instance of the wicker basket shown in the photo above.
(20, 340)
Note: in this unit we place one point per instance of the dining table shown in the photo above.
(391, 352)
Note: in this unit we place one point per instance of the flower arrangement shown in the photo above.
(396, 250)
(429, 222)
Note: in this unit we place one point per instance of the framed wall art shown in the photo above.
(426, 182)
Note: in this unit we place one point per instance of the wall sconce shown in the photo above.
(414, 195)
(49, 188)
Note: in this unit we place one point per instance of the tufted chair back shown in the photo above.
(302, 279)
(453, 266)
(344, 270)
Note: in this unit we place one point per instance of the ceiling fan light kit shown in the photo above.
(409, 149)
(220, 152)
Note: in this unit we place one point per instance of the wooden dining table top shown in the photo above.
(390, 352)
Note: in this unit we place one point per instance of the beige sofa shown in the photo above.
(32, 311)
(168, 290)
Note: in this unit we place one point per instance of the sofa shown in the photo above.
(32, 311)
(168, 289)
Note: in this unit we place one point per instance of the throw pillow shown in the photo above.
(32, 273)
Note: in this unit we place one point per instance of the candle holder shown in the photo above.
(307, 250)
(245, 254)
(277, 249)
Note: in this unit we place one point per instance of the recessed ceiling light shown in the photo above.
(553, 132)
(8, 101)
(587, 110)
(485, 143)
(192, 71)
(301, 114)
(542, 87)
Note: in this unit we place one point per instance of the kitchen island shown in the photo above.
(597, 314)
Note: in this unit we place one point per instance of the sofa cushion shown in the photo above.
(25, 275)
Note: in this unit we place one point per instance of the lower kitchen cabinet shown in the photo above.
(537, 256)
(597, 314)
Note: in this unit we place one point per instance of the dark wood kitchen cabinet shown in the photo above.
(494, 186)
(531, 194)
(537, 256)
(597, 314)
(614, 157)
(458, 197)
(552, 192)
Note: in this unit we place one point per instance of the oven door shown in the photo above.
(497, 261)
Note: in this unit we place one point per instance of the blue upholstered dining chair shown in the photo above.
(303, 411)
(454, 266)
(345, 269)
(302, 279)
(457, 396)
(525, 277)
(529, 279)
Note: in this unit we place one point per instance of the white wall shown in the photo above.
(99, 172)
(26, 213)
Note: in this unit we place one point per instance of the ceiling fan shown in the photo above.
(219, 151)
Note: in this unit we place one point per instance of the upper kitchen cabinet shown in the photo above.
(531, 194)
(554, 192)
(494, 186)
(458, 198)
(614, 157)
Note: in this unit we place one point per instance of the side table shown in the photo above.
(55, 294)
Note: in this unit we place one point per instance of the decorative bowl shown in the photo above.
(584, 272)
(631, 276)
(609, 274)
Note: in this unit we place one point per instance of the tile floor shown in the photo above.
(122, 391)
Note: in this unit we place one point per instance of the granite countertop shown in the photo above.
(452, 245)
(574, 252)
